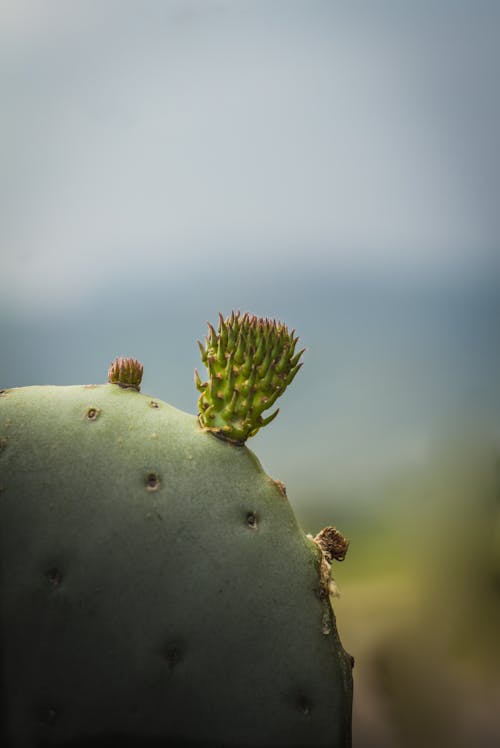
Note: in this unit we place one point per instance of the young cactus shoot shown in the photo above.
(250, 361)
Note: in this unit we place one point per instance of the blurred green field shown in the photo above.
(420, 605)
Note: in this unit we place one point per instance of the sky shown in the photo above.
(355, 138)
(332, 164)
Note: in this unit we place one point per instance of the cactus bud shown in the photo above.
(126, 372)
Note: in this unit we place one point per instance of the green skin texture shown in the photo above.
(154, 611)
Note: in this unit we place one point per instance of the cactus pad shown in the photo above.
(156, 587)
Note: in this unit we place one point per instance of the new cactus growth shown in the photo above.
(156, 587)
(250, 362)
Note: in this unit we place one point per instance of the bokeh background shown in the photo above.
(331, 164)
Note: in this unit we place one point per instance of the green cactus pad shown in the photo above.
(250, 362)
(156, 587)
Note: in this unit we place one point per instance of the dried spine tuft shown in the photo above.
(332, 543)
(333, 547)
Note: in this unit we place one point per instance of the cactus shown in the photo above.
(156, 586)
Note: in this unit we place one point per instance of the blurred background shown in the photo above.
(334, 165)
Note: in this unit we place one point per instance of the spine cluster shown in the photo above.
(250, 362)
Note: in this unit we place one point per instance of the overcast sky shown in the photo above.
(342, 136)
(333, 164)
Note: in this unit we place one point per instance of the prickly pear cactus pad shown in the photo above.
(156, 588)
